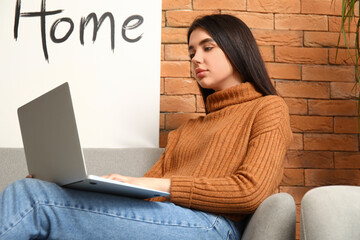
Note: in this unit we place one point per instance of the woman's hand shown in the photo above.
(161, 184)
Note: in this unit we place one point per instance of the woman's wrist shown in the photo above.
(161, 184)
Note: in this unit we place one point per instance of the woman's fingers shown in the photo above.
(117, 177)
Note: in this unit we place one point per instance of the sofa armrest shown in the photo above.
(331, 213)
(274, 219)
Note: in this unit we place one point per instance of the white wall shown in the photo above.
(115, 91)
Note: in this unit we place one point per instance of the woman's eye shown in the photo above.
(208, 48)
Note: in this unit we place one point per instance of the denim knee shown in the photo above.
(28, 188)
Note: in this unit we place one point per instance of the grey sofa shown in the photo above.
(331, 213)
(275, 219)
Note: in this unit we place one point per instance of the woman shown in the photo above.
(217, 168)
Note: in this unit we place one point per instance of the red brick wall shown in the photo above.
(298, 40)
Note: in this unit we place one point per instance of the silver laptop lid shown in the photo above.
(50, 137)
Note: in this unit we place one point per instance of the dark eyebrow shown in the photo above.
(202, 42)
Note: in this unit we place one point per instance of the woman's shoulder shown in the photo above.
(272, 103)
(272, 100)
(272, 112)
(189, 122)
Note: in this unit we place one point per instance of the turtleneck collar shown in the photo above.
(241, 93)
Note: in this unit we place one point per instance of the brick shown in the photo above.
(328, 39)
(341, 56)
(303, 89)
(174, 35)
(163, 19)
(175, 69)
(309, 159)
(175, 120)
(333, 107)
(293, 177)
(200, 107)
(301, 22)
(297, 231)
(346, 125)
(279, 6)
(344, 90)
(347, 159)
(327, 7)
(298, 142)
(184, 18)
(162, 121)
(162, 52)
(162, 85)
(296, 192)
(215, 4)
(298, 216)
(284, 71)
(163, 138)
(328, 73)
(322, 177)
(278, 37)
(267, 53)
(254, 20)
(296, 105)
(176, 52)
(184, 103)
(181, 86)
(330, 142)
(176, 4)
(311, 124)
(301, 55)
(335, 24)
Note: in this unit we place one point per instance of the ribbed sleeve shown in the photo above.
(229, 161)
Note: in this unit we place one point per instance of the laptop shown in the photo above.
(53, 151)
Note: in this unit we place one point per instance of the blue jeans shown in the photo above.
(34, 209)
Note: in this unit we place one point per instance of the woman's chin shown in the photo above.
(205, 84)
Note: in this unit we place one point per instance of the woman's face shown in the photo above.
(209, 64)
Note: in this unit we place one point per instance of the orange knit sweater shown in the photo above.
(230, 160)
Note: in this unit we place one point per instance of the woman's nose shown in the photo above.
(197, 58)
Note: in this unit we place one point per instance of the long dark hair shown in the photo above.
(239, 45)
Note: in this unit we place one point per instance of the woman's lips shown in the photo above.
(200, 72)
